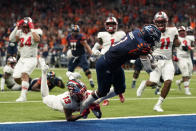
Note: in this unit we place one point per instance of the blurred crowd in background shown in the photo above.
(54, 17)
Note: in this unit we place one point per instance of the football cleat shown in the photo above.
(133, 84)
(21, 99)
(158, 108)
(92, 84)
(122, 98)
(178, 83)
(105, 103)
(187, 91)
(95, 108)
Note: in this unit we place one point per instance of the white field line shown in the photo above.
(110, 118)
(127, 99)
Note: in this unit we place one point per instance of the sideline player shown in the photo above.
(105, 40)
(163, 58)
(52, 81)
(78, 44)
(28, 39)
(8, 75)
(184, 59)
(136, 44)
(69, 102)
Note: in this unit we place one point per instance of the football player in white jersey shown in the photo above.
(163, 57)
(184, 59)
(105, 40)
(69, 101)
(28, 39)
(8, 75)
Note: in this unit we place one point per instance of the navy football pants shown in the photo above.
(107, 77)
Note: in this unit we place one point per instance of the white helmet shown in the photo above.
(160, 20)
(111, 24)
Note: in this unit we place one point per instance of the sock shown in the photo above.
(44, 86)
(134, 79)
(109, 95)
(2, 83)
(160, 101)
(85, 104)
(90, 79)
(25, 86)
(186, 84)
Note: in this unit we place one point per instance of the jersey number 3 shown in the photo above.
(27, 43)
(165, 42)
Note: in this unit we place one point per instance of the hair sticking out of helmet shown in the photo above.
(182, 31)
(161, 20)
(111, 24)
(151, 34)
(77, 89)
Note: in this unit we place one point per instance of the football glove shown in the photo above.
(20, 22)
(85, 113)
(185, 48)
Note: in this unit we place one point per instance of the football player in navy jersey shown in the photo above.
(136, 44)
(77, 43)
(52, 81)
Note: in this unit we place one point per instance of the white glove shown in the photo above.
(96, 52)
(92, 59)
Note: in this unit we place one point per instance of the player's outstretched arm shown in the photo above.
(70, 117)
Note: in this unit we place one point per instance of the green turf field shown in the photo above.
(34, 110)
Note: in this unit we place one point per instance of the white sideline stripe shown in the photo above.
(109, 118)
(129, 99)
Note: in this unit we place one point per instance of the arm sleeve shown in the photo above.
(12, 36)
(2, 83)
(95, 48)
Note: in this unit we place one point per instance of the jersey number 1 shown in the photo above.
(165, 42)
(112, 41)
(67, 100)
(27, 43)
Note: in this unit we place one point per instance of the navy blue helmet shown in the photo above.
(51, 75)
(151, 34)
(75, 28)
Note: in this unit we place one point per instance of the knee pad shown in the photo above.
(87, 72)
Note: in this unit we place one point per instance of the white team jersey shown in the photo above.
(68, 102)
(109, 39)
(191, 38)
(183, 42)
(164, 47)
(27, 46)
(10, 80)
